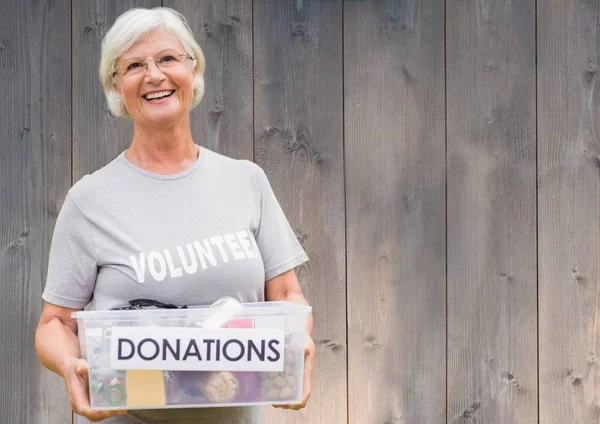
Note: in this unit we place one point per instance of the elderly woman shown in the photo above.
(166, 219)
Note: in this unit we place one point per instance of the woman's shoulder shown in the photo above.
(222, 163)
(90, 185)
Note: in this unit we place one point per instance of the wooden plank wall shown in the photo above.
(491, 215)
(395, 205)
(569, 219)
(437, 159)
(35, 174)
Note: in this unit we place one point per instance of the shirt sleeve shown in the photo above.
(277, 243)
(72, 266)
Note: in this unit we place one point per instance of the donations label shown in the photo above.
(196, 349)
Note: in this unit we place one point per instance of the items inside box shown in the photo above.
(151, 388)
(132, 388)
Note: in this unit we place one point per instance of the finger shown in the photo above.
(78, 394)
(95, 416)
(102, 415)
(283, 406)
(307, 380)
(309, 363)
(289, 406)
(295, 406)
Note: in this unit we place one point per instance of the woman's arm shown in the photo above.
(56, 341)
(287, 288)
(57, 348)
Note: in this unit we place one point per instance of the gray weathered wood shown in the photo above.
(569, 217)
(223, 121)
(299, 143)
(394, 143)
(492, 349)
(97, 137)
(35, 159)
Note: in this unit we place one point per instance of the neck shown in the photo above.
(166, 149)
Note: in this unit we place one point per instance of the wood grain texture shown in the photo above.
(395, 205)
(299, 144)
(569, 216)
(97, 137)
(35, 141)
(492, 322)
(223, 121)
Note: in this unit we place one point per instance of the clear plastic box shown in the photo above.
(196, 357)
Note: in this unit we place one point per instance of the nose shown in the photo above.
(153, 72)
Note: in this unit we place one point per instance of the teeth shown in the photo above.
(157, 94)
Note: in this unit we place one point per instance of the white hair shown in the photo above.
(129, 28)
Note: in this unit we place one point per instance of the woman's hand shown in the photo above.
(287, 288)
(310, 354)
(58, 349)
(75, 375)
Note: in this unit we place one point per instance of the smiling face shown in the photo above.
(156, 97)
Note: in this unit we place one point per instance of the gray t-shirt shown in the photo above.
(214, 230)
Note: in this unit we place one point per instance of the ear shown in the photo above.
(117, 88)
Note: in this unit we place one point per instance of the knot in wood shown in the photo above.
(301, 238)
(300, 31)
(333, 346)
(271, 130)
(217, 108)
(207, 29)
(592, 66)
(471, 410)
(19, 242)
(93, 26)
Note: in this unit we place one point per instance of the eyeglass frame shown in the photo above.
(153, 59)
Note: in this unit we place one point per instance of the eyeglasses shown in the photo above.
(164, 63)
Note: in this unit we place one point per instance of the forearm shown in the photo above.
(56, 345)
(299, 298)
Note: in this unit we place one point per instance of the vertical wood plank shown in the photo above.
(35, 141)
(97, 137)
(491, 150)
(395, 168)
(223, 121)
(569, 217)
(299, 143)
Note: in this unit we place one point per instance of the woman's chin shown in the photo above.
(166, 110)
(162, 117)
